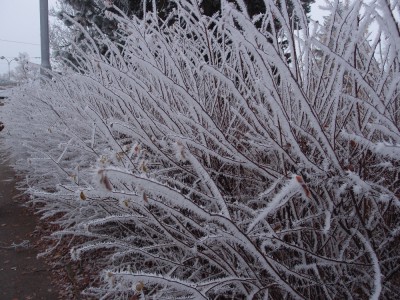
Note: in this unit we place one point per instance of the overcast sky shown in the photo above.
(19, 22)
(20, 29)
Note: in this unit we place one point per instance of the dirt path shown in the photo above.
(22, 275)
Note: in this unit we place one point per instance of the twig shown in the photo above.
(24, 244)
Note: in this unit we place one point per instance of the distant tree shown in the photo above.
(3, 78)
(91, 13)
(91, 9)
(254, 7)
(25, 70)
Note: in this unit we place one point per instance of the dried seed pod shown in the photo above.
(139, 286)
(104, 180)
(303, 185)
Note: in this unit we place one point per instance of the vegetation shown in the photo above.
(197, 162)
(92, 15)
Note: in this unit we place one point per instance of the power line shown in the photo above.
(30, 57)
(17, 42)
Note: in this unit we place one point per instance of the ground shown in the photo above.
(22, 275)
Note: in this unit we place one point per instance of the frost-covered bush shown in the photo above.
(210, 164)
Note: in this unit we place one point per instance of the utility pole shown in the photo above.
(44, 36)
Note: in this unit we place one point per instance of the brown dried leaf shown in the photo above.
(137, 149)
(140, 286)
(119, 155)
(299, 179)
(106, 183)
(303, 185)
(104, 180)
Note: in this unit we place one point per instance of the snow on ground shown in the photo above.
(5, 93)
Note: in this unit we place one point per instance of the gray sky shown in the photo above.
(19, 22)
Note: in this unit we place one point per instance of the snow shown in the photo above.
(5, 93)
(205, 162)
